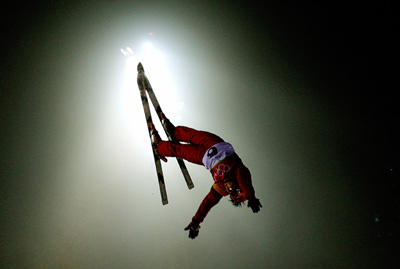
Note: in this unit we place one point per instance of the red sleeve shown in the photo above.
(243, 177)
(211, 199)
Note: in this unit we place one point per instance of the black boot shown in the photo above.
(168, 126)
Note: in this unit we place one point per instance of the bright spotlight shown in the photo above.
(148, 46)
(159, 75)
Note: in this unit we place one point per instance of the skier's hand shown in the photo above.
(255, 205)
(193, 230)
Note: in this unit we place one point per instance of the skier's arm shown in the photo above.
(211, 199)
(243, 177)
(244, 180)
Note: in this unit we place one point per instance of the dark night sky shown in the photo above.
(304, 92)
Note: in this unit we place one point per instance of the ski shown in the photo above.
(147, 86)
(151, 128)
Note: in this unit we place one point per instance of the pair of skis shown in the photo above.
(144, 86)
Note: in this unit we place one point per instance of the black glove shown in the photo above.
(255, 205)
(193, 230)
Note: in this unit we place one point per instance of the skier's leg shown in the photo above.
(189, 135)
(191, 153)
(155, 139)
(195, 137)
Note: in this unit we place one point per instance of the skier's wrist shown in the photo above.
(195, 224)
(252, 199)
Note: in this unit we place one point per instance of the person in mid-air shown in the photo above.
(230, 175)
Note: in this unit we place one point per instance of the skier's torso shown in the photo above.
(220, 159)
(224, 171)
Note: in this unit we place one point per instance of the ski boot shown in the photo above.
(168, 126)
(155, 139)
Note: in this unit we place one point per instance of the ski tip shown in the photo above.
(140, 67)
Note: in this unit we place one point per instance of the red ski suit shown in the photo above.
(230, 167)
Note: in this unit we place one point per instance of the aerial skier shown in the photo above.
(231, 176)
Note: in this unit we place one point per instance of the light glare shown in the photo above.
(148, 46)
(160, 78)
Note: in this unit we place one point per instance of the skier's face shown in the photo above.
(234, 190)
(230, 186)
(238, 196)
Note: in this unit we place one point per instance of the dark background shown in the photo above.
(305, 92)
